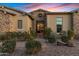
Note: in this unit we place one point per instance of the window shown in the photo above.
(40, 15)
(19, 24)
(59, 24)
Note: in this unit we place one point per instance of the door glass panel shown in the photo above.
(40, 26)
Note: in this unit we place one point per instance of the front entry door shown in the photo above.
(40, 28)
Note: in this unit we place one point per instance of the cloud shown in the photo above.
(50, 6)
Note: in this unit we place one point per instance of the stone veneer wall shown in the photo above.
(76, 23)
(4, 22)
(9, 20)
(9, 23)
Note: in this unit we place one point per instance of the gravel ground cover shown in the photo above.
(48, 49)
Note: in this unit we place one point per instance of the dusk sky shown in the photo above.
(54, 7)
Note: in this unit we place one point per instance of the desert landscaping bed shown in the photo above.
(48, 49)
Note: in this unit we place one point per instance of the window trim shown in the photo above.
(62, 23)
(20, 27)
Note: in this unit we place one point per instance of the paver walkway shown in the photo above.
(20, 49)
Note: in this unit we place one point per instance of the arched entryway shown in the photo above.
(40, 26)
(40, 21)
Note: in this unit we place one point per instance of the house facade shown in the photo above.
(12, 20)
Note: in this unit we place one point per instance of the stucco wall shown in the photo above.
(51, 21)
(26, 23)
(28, 26)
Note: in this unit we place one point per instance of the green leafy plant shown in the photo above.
(33, 47)
(25, 35)
(8, 46)
(22, 36)
(52, 38)
(68, 37)
(33, 33)
(64, 36)
(47, 33)
(2, 37)
(11, 35)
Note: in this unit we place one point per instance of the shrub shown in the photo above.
(64, 37)
(8, 35)
(2, 37)
(21, 36)
(33, 33)
(8, 46)
(30, 37)
(33, 47)
(52, 38)
(47, 33)
(70, 34)
(25, 35)
(11, 35)
(68, 37)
